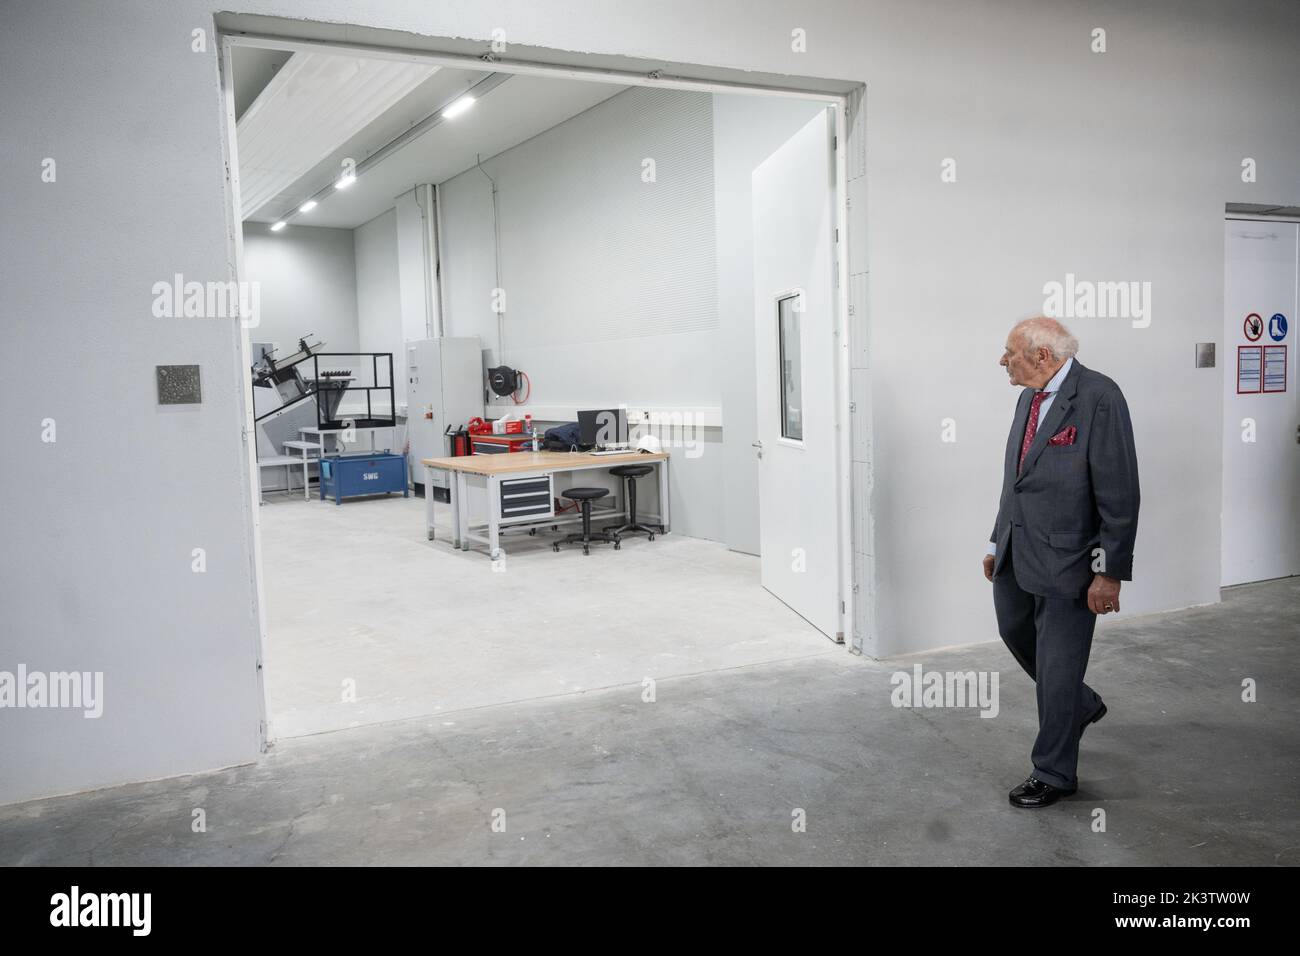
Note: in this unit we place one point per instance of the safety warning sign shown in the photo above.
(1275, 368)
(1253, 327)
(1250, 366)
(1277, 327)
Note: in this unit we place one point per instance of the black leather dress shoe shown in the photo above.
(1034, 793)
(1092, 720)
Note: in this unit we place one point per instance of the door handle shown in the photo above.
(759, 446)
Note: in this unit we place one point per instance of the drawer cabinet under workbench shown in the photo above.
(526, 499)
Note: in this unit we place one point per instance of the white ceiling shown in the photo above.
(254, 68)
(516, 110)
(315, 105)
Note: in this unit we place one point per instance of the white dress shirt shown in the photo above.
(1051, 388)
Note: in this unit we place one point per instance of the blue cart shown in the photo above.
(353, 476)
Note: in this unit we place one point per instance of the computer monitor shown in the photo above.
(603, 426)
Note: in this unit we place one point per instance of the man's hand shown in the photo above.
(1103, 595)
(988, 566)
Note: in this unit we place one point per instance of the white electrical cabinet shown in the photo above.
(444, 389)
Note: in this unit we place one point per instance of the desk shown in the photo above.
(285, 461)
(303, 447)
(320, 434)
(513, 484)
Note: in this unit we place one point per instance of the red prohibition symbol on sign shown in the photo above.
(1253, 327)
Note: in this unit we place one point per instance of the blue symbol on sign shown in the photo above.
(1277, 327)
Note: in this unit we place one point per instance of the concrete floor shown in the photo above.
(712, 771)
(357, 592)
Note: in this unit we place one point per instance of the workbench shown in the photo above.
(520, 490)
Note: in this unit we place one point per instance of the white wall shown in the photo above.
(746, 130)
(610, 280)
(308, 281)
(417, 262)
(593, 259)
(379, 309)
(1111, 166)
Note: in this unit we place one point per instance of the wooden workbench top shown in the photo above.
(507, 463)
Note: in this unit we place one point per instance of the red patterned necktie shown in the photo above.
(1031, 427)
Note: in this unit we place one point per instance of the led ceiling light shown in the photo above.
(278, 226)
(458, 107)
(347, 180)
(308, 206)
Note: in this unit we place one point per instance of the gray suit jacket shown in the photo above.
(1069, 500)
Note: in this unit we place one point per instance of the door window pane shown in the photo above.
(791, 368)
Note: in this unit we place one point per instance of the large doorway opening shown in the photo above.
(528, 244)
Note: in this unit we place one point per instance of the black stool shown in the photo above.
(586, 496)
(632, 473)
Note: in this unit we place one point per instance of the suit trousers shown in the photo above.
(1051, 638)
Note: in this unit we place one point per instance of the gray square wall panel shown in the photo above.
(179, 385)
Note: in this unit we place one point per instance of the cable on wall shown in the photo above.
(496, 256)
(527, 393)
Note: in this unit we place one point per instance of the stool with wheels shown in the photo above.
(630, 473)
(585, 496)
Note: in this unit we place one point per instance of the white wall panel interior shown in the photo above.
(467, 259)
(415, 257)
(379, 314)
(307, 278)
(590, 251)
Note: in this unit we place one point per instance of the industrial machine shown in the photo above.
(313, 373)
(285, 376)
(321, 392)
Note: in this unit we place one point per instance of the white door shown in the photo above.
(1261, 413)
(794, 315)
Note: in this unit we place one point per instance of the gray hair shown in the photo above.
(1042, 332)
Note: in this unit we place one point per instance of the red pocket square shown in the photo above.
(1064, 437)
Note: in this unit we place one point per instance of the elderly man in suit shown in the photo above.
(1063, 540)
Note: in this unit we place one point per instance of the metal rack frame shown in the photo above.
(371, 420)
